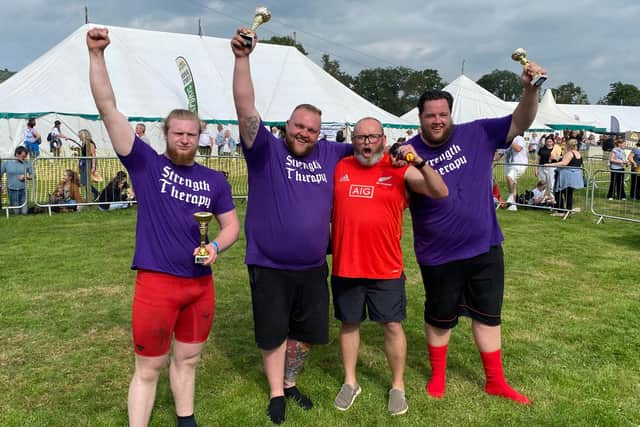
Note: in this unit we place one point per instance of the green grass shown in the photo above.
(570, 333)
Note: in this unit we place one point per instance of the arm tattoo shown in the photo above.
(297, 353)
(251, 125)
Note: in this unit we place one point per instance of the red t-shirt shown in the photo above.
(366, 225)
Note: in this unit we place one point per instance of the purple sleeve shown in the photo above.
(223, 199)
(136, 160)
(497, 130)
(260, 144)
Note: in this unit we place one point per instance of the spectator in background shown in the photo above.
(67, 192)
(205, 141)
(226, 144)
(141, 130)
(87, 156)
(340, 135)
(569, 176)
(545, 171)
(32, 139)
(56, 137)
(617, 163)
(275, 131)
(516, 160)
(533, 143)
(634, 160)
(115, 192)
(18, 171)
(539, 195)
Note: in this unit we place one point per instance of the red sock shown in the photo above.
(438, 359)
(496, 383)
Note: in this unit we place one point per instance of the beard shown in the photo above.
(295, 148)
(432, 139)
(181, 158)
(369, 161)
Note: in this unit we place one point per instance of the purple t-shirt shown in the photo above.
(289, 202)
(168, 195)
(464, 224)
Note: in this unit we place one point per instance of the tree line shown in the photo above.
(397, 89)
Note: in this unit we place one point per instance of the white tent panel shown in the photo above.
(147, 84)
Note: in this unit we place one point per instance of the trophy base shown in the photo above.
(538, 80)
(248, 40)
(200, 259)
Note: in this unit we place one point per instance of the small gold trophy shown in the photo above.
(203, 218)
(261, 16)
(520, 55)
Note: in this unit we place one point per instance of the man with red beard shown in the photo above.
(174, 297)
(457, 240)
(367, 276)
(287, 230)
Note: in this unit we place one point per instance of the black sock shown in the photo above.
(303, 401)
(188, 421)
(276, 409)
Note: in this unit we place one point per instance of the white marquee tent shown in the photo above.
(147, 85)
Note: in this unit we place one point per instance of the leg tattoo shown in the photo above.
(297, 353)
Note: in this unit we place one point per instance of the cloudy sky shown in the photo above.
(589, 42)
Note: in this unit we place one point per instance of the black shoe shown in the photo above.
(276, 408)
(303, 401)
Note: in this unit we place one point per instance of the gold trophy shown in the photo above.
(203, 218)
(520, 55)
(261, 16)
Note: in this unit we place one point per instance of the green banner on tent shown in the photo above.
(189, 85)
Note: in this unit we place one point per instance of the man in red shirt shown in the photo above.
(369, 196)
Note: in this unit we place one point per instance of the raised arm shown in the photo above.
(525, 112)
(120, 133)
(243, 94)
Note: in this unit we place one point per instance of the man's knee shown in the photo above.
(392, 328)
(148, 370)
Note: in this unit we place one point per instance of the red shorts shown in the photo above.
(164, 304)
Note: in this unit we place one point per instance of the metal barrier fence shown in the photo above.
(615, 197)
(49, 172)
(558, 201)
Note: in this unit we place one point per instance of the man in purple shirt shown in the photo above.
(457, 239)
(174, 297)
(287, 229)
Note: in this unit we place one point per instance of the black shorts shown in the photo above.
(384, 299)
(471, 287)
(289, 303)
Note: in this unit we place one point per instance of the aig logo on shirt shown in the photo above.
(364, 191)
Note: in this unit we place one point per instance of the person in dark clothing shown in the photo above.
(115, 191)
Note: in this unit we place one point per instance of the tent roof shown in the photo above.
(550, 114)
(147, 84)
(600, 115)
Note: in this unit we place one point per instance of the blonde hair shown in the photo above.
(572, 144)
(85, 136)
(180, 115)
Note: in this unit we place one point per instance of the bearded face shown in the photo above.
(302, 132)
(182, 141)
(436, 124)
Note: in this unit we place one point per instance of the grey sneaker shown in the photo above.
(346, 396)
(397, 402)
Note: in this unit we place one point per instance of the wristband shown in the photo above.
(420, 165)
(215, 245)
